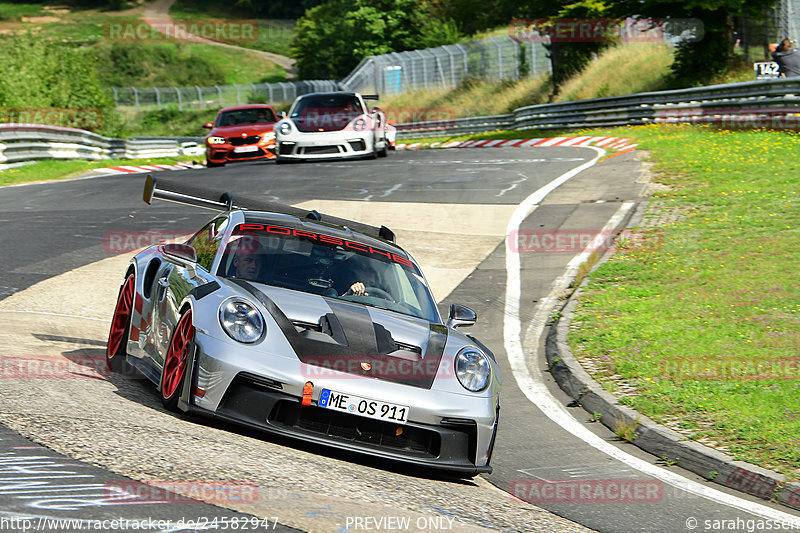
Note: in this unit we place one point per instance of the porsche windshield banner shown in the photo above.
(326, 240)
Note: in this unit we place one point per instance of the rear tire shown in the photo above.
(175, 369)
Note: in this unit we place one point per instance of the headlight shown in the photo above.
(360, 124)
(284, 128)
(473, 369)
(241, 321)
(216, 140)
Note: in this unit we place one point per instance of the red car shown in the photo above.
(241, 133)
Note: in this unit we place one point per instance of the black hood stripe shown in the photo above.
(360, 344)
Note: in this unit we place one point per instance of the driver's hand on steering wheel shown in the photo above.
(357, 288)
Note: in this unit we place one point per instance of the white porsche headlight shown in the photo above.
(284, 128)
(472, 369)
(241, 321)
(216, 140)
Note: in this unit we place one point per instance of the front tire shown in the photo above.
(175, 369)
(117, 348)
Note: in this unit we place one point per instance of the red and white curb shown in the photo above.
(181, 165)
(617, 144)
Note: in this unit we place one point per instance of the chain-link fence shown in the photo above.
(218, 95)
(754, 36)
(445, 67)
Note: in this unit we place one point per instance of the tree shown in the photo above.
(333, 37)
(699, 60)
(278, 10)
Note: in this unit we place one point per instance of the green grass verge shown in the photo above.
(53, 170)
(702, 315)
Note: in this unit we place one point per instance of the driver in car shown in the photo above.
(365, 277)
(248, 258)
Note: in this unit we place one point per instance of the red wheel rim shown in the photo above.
(175, 364)
(121, 315)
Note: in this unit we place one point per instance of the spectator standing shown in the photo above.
(788, 59)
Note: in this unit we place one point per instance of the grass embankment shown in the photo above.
(619, 70)
(136, 62)
(702, 316)
(53, 170)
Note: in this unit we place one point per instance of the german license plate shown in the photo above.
(356, 405)
(245, 149)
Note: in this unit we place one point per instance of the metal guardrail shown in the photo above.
(30, 142)
(771, 104)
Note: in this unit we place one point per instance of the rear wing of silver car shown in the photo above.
(223, 201)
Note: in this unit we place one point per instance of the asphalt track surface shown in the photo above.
(56, 227)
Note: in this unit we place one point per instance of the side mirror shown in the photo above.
(281, 114)
(182, 255)
(461, 315)
(208, 125)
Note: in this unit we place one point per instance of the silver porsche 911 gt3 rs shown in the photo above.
(311, 327)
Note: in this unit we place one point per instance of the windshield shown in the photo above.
(326, 112)
(260, 115)
(328, 266)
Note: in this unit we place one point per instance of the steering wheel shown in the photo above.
(378, 292)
